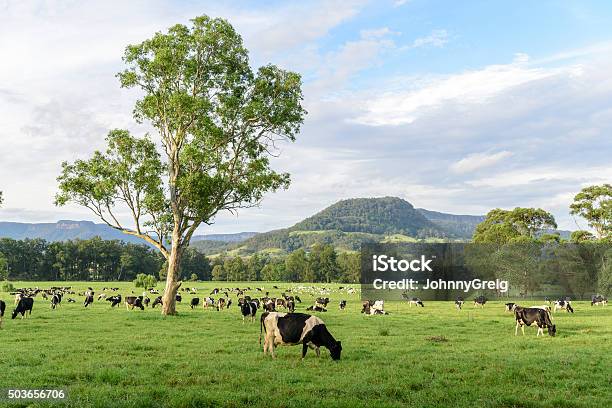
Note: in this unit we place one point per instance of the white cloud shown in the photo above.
(470, 87)
(477, 161)
(437, 38)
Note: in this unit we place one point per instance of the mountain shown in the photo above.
(458, 225)
(349, 223)
(62, 231)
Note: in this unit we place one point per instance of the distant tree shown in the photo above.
(594, 204)
(145, 281)
(194, 277)
(218, 122)
(350, 267)
(218, 273)
(504, 226)
(581, 236)
(297, 267)
(3, 267)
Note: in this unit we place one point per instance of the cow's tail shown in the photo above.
(262, 327)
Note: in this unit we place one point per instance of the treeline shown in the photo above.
(100, 260)
(321, 264)
(89, 260)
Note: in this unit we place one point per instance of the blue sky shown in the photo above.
(454, 106)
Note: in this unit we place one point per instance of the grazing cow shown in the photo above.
(297, 328)
(480, 301)
(342, 304)
(133, 301)
(157, 301)
(416, 301)
(115, 300)
(89, 299)
(510, 306)
(280, 302)
(2, 309)
(194, 302)
(290, 305)
(229, 303)
(526, 316)
(316, 308)
(71, 300)
(599, 300)
(101, 296)
(208, 302)
(563, 304)
(459, 303)
(269, 305)
(297, 299)
(220, 304)
(322, 301)
(179, 298)
(146, 301)
(55, 300)
(248, 310)
(25, 305)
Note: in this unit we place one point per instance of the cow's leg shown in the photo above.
(516, 328)
(523, 329)
(304, 349)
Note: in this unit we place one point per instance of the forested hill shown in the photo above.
(349, 223)
(387, 215)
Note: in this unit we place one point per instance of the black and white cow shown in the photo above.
(25, 305)
(342, 304)
(290, 305)
(194, 302)
(89, 299)
(133, 301)
(115, 300)
(416, 301)
(563, 304)
(56, 300)
(599, 300)
(297, 328)
(179, 298)
(146, 300)
(510, 306)
(480, 301)
(208, 302)
(2, 309)
(157, 301)
(71, 300)
(459, 303)
(248, 310)
(220, 304)
(526, 316)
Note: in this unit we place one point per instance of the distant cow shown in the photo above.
(2, 309)
(316, 309)
(25, 305)
(248, 310)
(146, 301)
(510, 306)
(342, 304)
(322, 301)
(599, 300)
(480, 301)
(157, 301)
(297, 328)
(290, 305)
(133, 301)
(208, 302)
(89, 299)
(459, 303)
(101, 296)
(56, 300)
(373, 308)
(528, 316)
(115, 300)
(563, 304)
(179, 298)
(194, 302)
(220, 304)
(71, 300)
(416, 301)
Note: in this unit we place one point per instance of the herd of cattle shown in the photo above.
(278, 328)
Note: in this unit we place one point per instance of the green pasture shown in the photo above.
(434, 356)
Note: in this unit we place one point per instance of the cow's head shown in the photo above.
(552, 330)
(15, 312)
(335, 349)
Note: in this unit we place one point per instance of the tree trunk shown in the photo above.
(172, 282)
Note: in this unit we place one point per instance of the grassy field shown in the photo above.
(414, 357)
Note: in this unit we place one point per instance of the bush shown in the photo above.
(145, 281)
(7, 286)
(194, 277)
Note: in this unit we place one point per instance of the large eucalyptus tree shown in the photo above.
(217, 121)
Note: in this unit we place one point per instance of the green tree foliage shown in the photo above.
(594, 204)
(581, 236)
(297, 268)
(145, 281)
(518, 225)
(218, 121)
(3, 267)
(218, 273)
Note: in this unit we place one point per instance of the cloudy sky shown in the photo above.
(455, 106)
